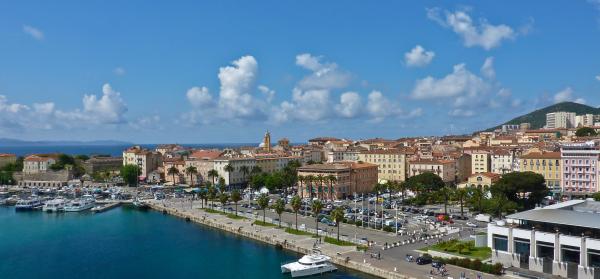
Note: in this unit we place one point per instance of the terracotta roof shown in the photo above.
(7, 155)
(386, 151)
(36, 158)
(205, 154)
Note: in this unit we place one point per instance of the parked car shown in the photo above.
(436, 264)
(472, 225)
(423, 260)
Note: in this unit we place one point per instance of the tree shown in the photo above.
(235, 198)
(245, 171)
(596, 196)
(223, 198)
(500, 203)
(460, 195)
(129, 173)
(477, 195)
(337, 215)
(255, 170)
(300, 191)
(296, 204)
(173, 171)
(586, 132)
(212, 193)
(320, 178)
(526, 189)
(229, 169)
(213, 174)
(310, 179)
(332, 179)
(191, 171)
(221, 184)
(203, 197)
(425, 182)
(279, 207)
(263, 203)
(317, 206)
(445, 193)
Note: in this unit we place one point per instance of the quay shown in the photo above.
(275, 236)
(105, 206)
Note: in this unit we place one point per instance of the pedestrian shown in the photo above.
(379, 255)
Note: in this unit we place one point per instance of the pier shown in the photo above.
(105, 206)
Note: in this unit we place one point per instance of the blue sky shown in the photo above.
(226, 71)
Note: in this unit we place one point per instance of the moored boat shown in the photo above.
(54, 205)
(28, 204)
(313, 264)
(79, 205)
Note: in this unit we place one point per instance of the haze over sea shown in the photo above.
(128, 243)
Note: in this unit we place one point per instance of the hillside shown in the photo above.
(538, 118)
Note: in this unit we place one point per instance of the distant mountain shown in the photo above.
(16, 142)
(537, 118)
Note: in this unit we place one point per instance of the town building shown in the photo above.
(545, 163)
(349, 178)
(38, 173)
(179, 176)
(480, 160)
(482, 180)
(38, 163)
(237, 177)
(144, 159)
(561, 239)
(580, 168)
(585, 120)
(560, 119)
(6, 159)
(391, 163)
(503, 161)
(445, 169)
(202, 160)
(102, 164)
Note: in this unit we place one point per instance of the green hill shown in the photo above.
(538, 118)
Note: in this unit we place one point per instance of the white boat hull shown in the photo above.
(309, 271)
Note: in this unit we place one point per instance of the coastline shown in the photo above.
(277, 237)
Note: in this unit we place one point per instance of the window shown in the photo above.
(500, 242)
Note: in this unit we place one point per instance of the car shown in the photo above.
(423, 260)
(472, 225)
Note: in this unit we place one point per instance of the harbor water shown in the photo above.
(129, 243)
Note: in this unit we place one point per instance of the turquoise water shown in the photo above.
(127, 243)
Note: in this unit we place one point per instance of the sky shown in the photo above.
(228, 71)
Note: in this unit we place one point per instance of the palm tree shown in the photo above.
(223, 198)
(279, 207)
(332, 179)
(191, 171)
(460, 195)
(229, 169)
(263, 203)
(300, 180)
(213, 174)
(235, 198)
(212, 193)
(296, 204)
(244, 170)
(173, 171)
(317, 205)
(445, 193)
(320, 179)
(203, 197)
(221, 184)
(478, 195)
(309, 179)
(337, 215)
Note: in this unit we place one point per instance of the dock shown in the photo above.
(105, 206)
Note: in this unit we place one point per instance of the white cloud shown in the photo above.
(461, 113)
(379, 107)
(199, 96)
(119, 71)
(481, 34)
(487, 69)
(567, 95)
(323, 76)
(418, 57)
(146, 122)
(237, 82)
(350, 105)
(33, 32)
(598, 77)
(268, 92)
(460, 83)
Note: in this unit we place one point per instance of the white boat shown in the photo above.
(54, 205)
(28, 204)
(79, 205)
(308, 265)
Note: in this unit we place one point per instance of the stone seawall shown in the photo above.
(246, 231)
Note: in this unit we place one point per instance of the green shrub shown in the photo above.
(476, 264)
(388, 229)
(358, 223)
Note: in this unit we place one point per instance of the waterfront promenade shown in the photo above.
(390, 265)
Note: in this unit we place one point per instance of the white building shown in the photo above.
(236, 177)
(37, 163)
(560, 119)
(503, 161)
(585, 120)
(561, 239)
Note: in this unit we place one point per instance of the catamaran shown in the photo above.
(315, 263)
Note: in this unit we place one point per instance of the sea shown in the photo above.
(129, 243)
(112, 150)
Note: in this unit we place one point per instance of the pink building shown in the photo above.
(579, 168)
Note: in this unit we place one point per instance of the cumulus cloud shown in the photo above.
(461, 82)
(567, 95)
(33, 32)
(106, 109)
(418, 57)
(482, 34)
(199, 96)
(461, 112)
(268, 92)
(323, 75)
(237, 82)
(487, 69)
(350, 105)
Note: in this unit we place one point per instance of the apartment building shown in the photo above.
(391, 163)
(502, 161)
(560, 119)
(202, 160)
(548, 164)
(350, 178)
(38, 163)
(579, 168)
(6, 159)
(445, 169)
(146, 160)
(237, 177)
